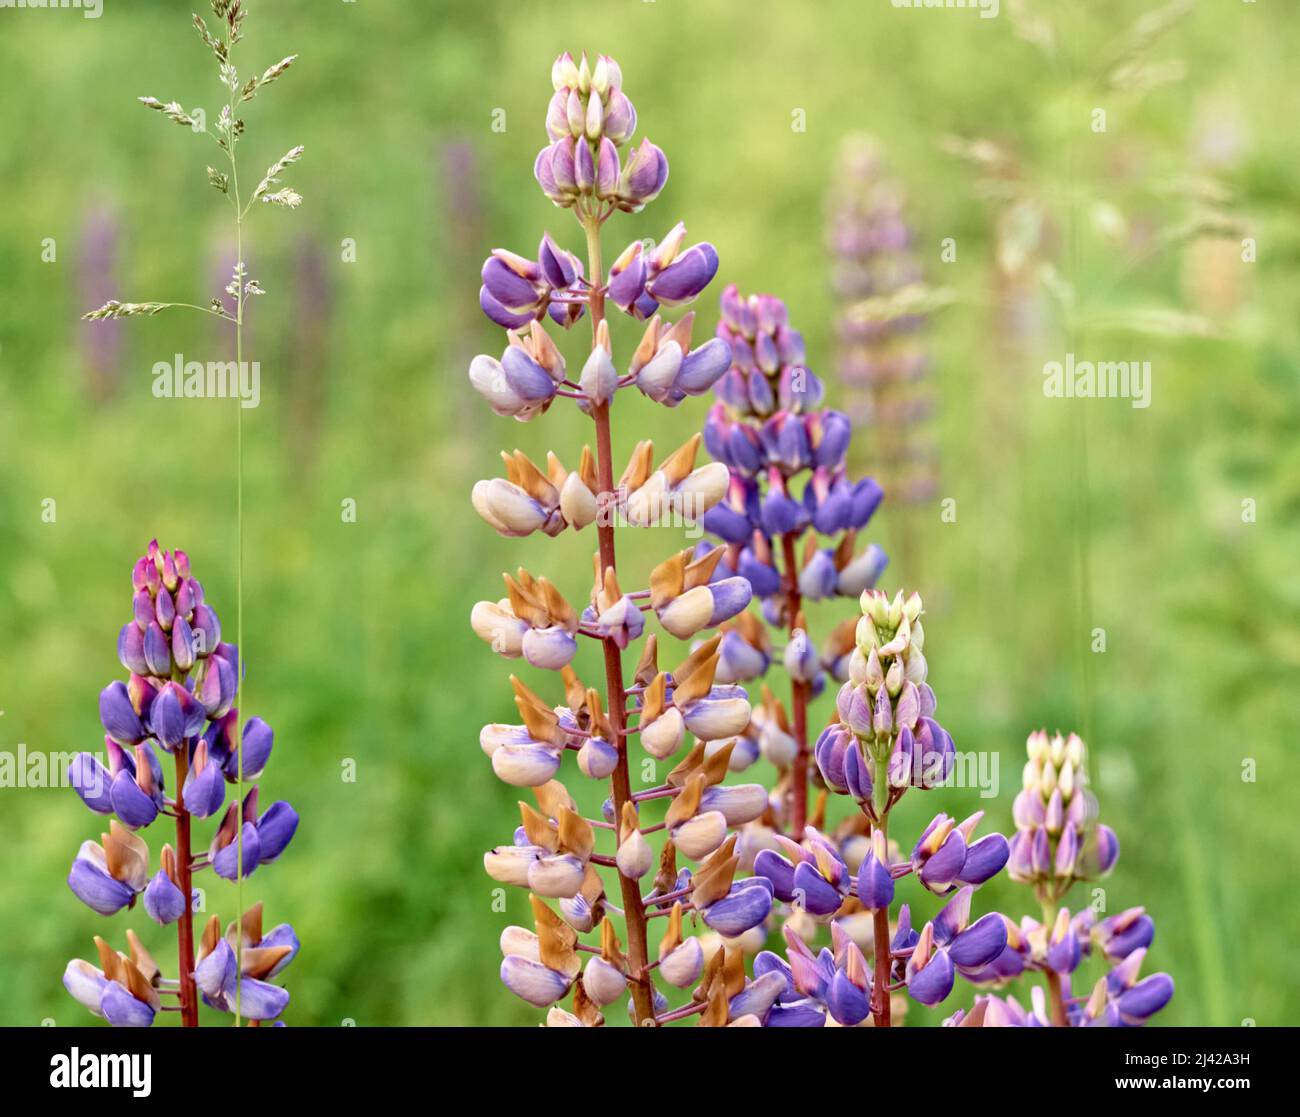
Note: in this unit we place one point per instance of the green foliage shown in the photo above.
(1071, 515)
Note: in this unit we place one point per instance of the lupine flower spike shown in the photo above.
(178, 701)
(594, 166)
(1059, 842)
(885, 740)
(878, 281)
(789, 521)
(183, 681)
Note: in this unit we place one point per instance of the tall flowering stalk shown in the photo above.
(885, 740)
(881, 363)
(172, 652)
(1059, 843)
(787, 485)
(178, 701)
(588, 168)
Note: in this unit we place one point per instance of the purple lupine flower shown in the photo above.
(517, 291)
(163, 899)
(880, 361)
(228, 977)
(1058, 839)
(122, 992)
(787, 483)
(108, 875)
(178, 699)
(946, 856)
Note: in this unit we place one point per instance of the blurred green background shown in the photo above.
(1071, 515)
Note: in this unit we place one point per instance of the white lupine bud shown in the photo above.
(751, 942)
(739, 804)
(557, 1017)
(1066, 780)
(521, 941)
(603, 981)
(1057, 752)
(697, 837)
(865, 634)
(599, 377)
(535, 983)
(85, 983)
(896, 610)
(702, 489)
(597, 758)
(559, 875)
(664, 736)
(564, 72)
(595, 118)
(549, 648)
(578, 503)
(578, 913)
(507, 507)
(661, 370)
(1037, 746)
(742, 755)
(646, 506)
(1032, 774)
(687, 614)
(600, 83)
(493, 736)
(509, 864)
(525, 765)
(634, 856)
(683, 965)
(777, 746)
(1076, 750)
(916, 667)
(712, 718)
(488, 377)
(875, 605)
(1048, 782)
(494, 623)
(857, 667)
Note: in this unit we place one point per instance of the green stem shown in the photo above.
(880, 934)
(240, 278)
(1054, 992)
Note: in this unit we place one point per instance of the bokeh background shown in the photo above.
(1071, 515)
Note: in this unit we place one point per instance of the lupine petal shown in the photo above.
(981, 942)
(122, 1010)
(163, 901)
(275, 830)
(932, 984)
